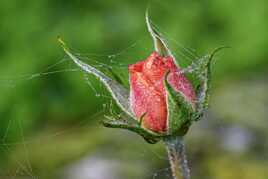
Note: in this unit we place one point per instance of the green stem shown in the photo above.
(177, 158)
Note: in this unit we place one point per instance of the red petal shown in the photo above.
(147, 93)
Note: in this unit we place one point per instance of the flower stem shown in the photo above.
(177, 158)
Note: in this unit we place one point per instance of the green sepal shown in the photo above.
(160, 45)
(134, 126)
(115, 76)
(141, 119)
(180, 111)
(203, 70)
(119, 93)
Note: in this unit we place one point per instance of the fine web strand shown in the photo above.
(186, 53)
(14, 80)
(26, 151)
(60, 67)
(23, 165)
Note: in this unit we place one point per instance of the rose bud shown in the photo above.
(162, 101)
(148, 95)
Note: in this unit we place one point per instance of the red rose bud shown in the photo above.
(162, 101)
(148, 96)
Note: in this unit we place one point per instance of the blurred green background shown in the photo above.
(50, 110)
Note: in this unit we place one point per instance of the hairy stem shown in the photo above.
(177, 158)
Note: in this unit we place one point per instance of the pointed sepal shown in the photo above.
(203, 71)
(134, 126)
(160, 45)
(115, 76)
(118, 92)
(180, 110)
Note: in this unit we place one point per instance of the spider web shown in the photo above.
(24, 167)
